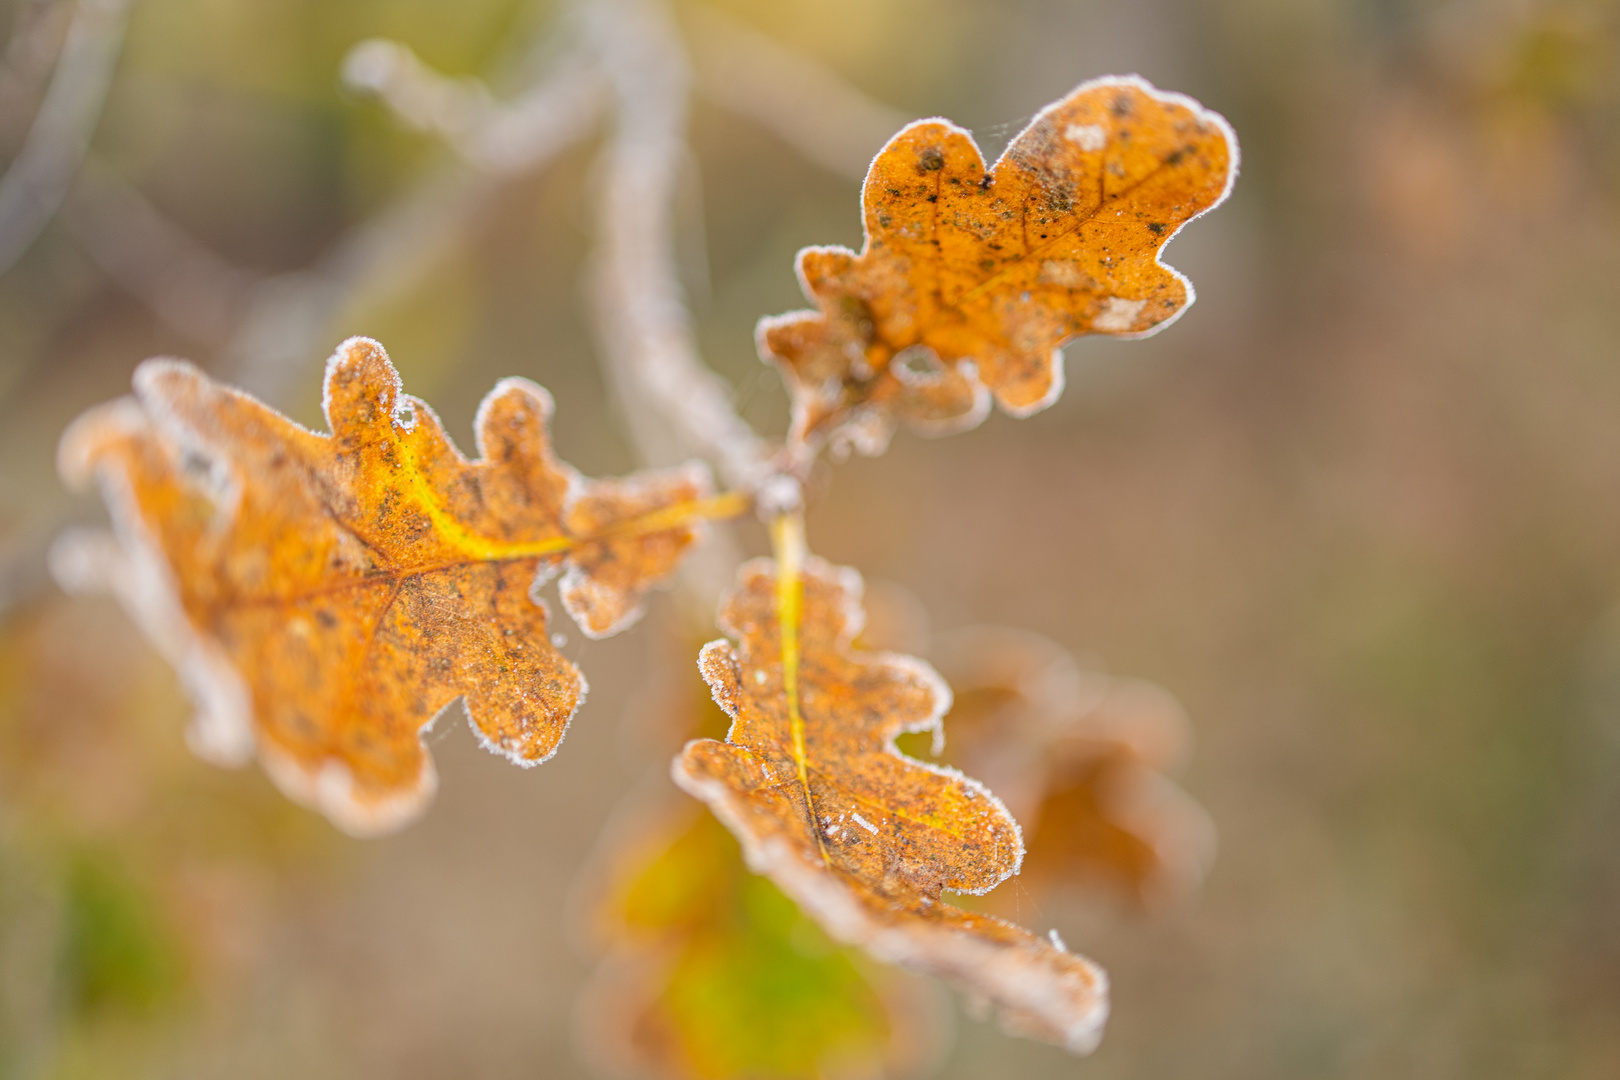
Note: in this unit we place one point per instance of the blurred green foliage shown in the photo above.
(753, 989)
(116, 955)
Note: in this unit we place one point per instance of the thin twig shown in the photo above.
(38, 30)
(282, 331)
(39, 177)
(189, 287)
(677, 405)
(497, 137)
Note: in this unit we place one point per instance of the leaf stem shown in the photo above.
(487, 549)
(787, 543)
(727, 504)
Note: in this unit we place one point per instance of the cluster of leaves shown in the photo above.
(326, 596)
(861, 836)
(712, 973)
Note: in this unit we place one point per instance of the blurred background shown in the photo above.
(1359, 511)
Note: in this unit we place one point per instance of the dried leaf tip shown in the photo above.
(972, 278)
(864, 839)
(325, 596)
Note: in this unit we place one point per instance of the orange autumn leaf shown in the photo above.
(864, 839)
(324, 597)
(1083, 759)
(971, 279)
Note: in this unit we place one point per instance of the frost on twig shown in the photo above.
(641, 315)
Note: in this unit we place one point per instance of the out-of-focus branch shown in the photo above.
(676, 404)
(184, 283)
(37, 32)
(39, 177)
(270, 323)
(498, 137)
(282, 330)
(807, 105)
(417, 95)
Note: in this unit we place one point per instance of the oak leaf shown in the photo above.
(864, 839)
(1083, 758)
(324, 597)
(971, 280)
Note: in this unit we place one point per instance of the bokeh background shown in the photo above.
(1359, 510)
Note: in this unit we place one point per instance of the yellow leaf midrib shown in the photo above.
(787, 538)
(477, 548)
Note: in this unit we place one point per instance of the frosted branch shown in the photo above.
(677, 405)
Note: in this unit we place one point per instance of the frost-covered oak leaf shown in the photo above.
(971, 279)
(324, 597)
(864, 839)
